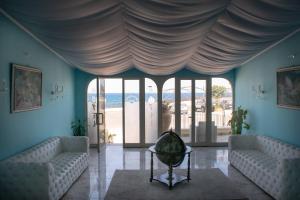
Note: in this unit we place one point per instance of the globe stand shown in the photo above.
(170, 178)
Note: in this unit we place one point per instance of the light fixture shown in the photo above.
(258, 91)
(57, 91)
(292, 56)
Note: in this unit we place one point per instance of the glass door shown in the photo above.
(92, 106)
(95, 113)
(201, 135)
(222, 100)
(131, 113)
(138, 110)
(113, 111)
(168, 105)
(192, 111)
(151, 115)
(100, 114)
(186, 110)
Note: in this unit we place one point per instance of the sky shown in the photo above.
(111, 86)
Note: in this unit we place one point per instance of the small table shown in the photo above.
(169, 178)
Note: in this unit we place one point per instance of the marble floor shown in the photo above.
(94, 182)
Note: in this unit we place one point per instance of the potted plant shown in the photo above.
(110, 137)
(78, 128)
(237, 121)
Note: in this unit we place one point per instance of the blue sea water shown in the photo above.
(114, 100)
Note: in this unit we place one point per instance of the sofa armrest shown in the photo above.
(21, 180)
(289, 177)
(236, 142)
(75, 144)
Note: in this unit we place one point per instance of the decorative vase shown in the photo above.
(170, 149)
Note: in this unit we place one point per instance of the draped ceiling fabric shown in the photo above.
(156, 36)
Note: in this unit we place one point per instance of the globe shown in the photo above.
(170, 149)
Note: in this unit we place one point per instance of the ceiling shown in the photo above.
(156, 36)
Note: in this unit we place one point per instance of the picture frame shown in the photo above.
(26, 88)
(288, 87)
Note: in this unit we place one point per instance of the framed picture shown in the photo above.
(26, 93)
(288, 87)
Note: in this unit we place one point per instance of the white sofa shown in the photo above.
(271, 164)
(45, 171)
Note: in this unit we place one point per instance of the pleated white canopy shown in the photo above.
(156, 36)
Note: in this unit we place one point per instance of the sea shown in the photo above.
(114, 100)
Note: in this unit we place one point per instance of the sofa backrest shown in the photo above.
(276, 148)
(42, 152)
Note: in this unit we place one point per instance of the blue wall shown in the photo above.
(19, 131)
(265, 117)
(82, 81)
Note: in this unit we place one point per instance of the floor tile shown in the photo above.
(94, 182)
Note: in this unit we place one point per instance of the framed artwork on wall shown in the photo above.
(288, 87)
(26, 93)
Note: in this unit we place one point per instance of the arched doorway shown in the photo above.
(151, 114)
(168, 105)
(104, 111)
(135, 111)
(222, 103)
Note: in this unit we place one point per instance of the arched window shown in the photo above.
(151, 132)
(168, 105)
(91, 110)
(222, 101)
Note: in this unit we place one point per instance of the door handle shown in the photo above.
(99, 120)
(102, 119)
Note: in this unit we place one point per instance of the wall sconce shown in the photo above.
(3, 86)
(258, 91)
(57, 91)
(292, 56)
(292, 59)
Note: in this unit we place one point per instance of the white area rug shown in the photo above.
(206, 184)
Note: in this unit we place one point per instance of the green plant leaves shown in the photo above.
(237, 121)
(78, 128)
